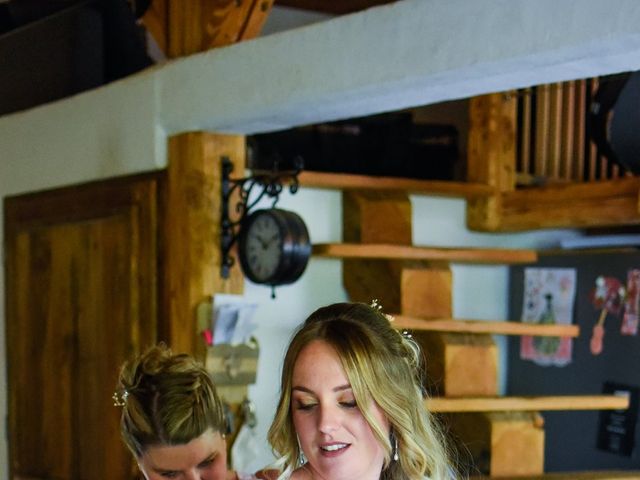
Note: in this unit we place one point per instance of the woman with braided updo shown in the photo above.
(351, 404)
(172, 419)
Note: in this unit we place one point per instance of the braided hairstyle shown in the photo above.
(381, 365)
(167, 399)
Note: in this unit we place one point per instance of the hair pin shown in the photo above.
(120, 399)
(375, 305)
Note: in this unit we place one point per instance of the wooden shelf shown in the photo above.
(526, 404)
(345, 181)
(483, 326)
(408, 252)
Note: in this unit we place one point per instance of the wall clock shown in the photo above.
(273, 246)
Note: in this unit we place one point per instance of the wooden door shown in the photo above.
(81, 297)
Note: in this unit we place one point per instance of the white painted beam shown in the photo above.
(410, 53)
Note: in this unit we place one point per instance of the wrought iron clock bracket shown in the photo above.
(250, 191)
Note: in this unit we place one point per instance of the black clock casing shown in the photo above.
(273, 246)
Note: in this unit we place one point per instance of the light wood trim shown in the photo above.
(405, 252)
(484, 327)
(522, 404)
(344, 181)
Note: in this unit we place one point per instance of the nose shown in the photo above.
(193, 475)
(329, 419)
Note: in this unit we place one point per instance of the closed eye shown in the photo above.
(305, 406)
(169, 474)
(207, 462)
(351, 404)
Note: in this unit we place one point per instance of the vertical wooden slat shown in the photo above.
(580, 119)
(542, 132)
(592, 151)
(555, 129)
(525, 132)
(192, 256)
(568, 128)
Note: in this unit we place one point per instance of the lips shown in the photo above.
(333, 449)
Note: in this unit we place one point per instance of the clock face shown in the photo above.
(273, 246)
(263, 248)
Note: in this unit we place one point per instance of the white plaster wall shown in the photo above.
(407, 54)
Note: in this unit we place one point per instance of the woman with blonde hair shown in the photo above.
(172, 419)
(351, 402)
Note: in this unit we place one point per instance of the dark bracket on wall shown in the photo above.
(268, 183)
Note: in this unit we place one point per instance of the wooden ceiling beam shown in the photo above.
(336, 7)
(191, 26)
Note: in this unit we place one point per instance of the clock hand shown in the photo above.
(273, 238)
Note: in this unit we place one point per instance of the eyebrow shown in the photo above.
(339, 388)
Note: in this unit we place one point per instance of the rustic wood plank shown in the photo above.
(491, 151)
(405, 252)
(426, 292)
(367, 279)
(192, 256)
(460, 365)
(344, 181)
(336, 7)
(376, 217)
(611, 202)
(483, 326)
(198, 25)
(510, 404)
(491, 155)
(517, 444)
(500, 443)
(156, 20)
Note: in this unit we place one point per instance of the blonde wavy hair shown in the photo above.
(166, 399)
(381, 365)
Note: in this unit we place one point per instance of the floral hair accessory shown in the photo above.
(120, 399)
(376, 306)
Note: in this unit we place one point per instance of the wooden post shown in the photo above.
(502, 444)
(191, 244)
(491, 155)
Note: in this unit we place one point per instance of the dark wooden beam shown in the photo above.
(336, 7)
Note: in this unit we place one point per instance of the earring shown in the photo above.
(395, 448)
(301, 456)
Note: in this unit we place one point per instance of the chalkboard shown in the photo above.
(572, 436)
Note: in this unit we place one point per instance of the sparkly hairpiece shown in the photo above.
(376, 306)
(120, 399)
